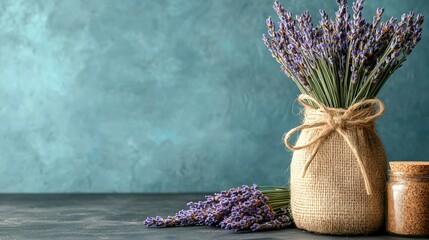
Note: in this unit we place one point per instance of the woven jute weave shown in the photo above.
(338, 180)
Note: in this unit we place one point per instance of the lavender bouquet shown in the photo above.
(343, 60)
(338, 167)
(254, 208)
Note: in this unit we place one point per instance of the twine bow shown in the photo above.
(330, 120)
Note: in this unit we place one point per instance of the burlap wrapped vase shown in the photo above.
(338, 169)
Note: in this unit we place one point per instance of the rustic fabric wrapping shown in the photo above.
(338, 169)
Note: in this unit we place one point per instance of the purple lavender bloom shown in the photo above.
(403, 17)
(354, 76)
(150, 222)
(377, 17)
(160, 222)
(271, 27)
(277, 223)
(324, 22)
(266, 41)
(380, 12)
(419, 19)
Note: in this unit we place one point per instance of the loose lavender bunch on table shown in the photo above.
(342, 60)
(243, 208)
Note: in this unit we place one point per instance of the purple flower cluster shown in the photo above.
(241, 208)
(345, 49)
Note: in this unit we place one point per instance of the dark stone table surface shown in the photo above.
(115, 216)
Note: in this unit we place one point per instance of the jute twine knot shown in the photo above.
(329, 120)
(336, 122)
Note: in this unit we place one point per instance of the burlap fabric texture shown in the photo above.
(338, 169)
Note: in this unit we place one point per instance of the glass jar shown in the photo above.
(408, 199)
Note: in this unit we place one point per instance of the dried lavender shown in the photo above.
(342, 60)
(254, 208)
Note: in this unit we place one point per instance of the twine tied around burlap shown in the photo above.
(331, 120)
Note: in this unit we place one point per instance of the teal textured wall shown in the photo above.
(165, 96)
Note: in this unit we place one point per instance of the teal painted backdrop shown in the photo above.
(165, 96)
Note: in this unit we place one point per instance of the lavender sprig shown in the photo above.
(345, 60)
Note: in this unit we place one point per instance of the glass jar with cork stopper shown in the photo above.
(408, 199)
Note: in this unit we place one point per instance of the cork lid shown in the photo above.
(410, 167)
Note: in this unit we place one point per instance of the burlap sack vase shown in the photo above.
(331, 194)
